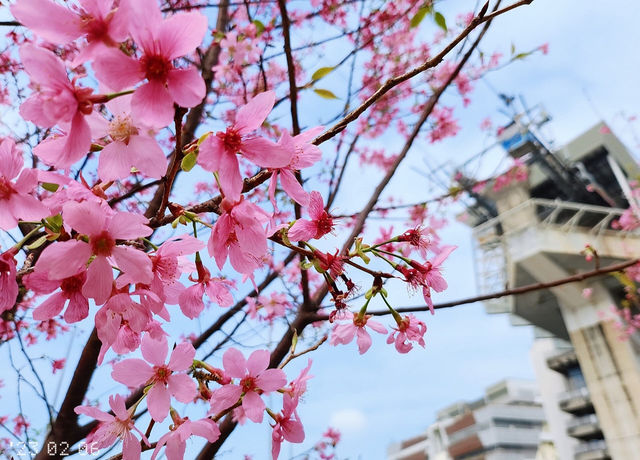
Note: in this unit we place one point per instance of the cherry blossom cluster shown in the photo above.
(112, 87)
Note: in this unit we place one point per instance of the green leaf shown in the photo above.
(520, 56)
(321, 72)
(417, 19)
(37, 243)
(325, 93)
(50, 187)
(189, 161)
(513, 49)
(442, 23)
(259, 26)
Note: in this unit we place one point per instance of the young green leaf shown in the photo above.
(442, 23)
(321, 72)
(417, 19)
(189, 161)
(325, 93)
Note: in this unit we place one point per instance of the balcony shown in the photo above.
(593, 450)
(563, 361)
(577, 402)
(586, 427)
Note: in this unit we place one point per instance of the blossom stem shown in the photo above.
(395, 314)
(28, 236)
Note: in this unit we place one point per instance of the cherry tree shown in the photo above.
(178, 160)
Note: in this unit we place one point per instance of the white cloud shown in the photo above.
(348, 421)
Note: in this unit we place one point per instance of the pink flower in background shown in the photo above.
(56, 101)
(70, 291)
(96, 20)
(183, 429)
(131, 145)
(58, 364)
(287, 427)
(218, 152)
(410, 329)
(16, 201)
(239, 234)
(165, 379)
(255, 380)
(344, 333)
(544, 48)
(161, 41)
(114, 427)
(103, 229)
(303, 155)
(8, 283)
(320, 224)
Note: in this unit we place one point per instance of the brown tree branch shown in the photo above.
(428, 64)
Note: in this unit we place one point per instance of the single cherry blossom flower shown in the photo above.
(16, 201)
(255, 380)
(95, 20)
(218, 152)
(161, 41)
(182, 429)
(70, 295)
(8, 283)
(239, 234)
(120, 323)
(303, 155)
(344, 333)
(57, 101)
(113, 427)
(410, 329)
(320, 224)
(131, 145)
(103, 229)
(427, 275)
(298, 386)
(217, 289)
(287, 427)
(165, 379)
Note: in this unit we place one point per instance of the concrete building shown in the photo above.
(535, 232)
(505, 424)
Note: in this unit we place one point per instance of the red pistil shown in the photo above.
(156, 67)
(103, 244)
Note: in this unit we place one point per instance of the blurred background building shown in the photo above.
(505, 424)
(535, 230)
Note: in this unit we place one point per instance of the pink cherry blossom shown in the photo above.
(120, 324)
(16, 201)
(114, 427)
(428, 275)
(161, 41)
(103, 229)
(190, 300)
(165, 379)
(303, 155)
(131, 145)
(298, 386)
(255, 380)
(410, 329)
(8, 283)
(239, 234)
(96, 20)
(168, 265)
(287, 427)
(218, 152)
(181, 430)
(320, 224)
(56, 101)
(344, 333)
(70, 291)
